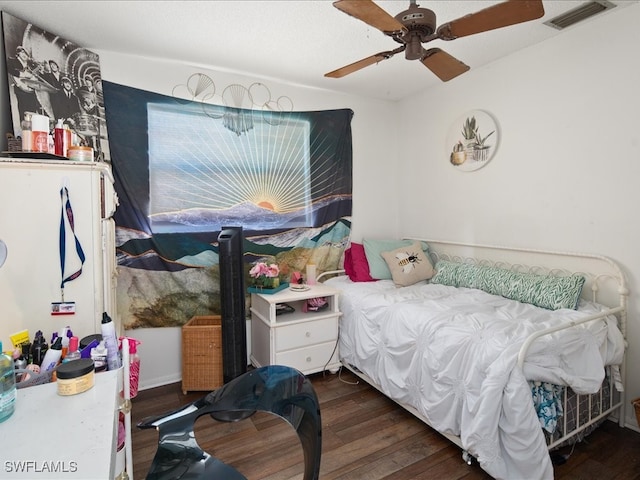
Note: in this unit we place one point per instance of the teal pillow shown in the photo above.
(545, 291)
(373, 249)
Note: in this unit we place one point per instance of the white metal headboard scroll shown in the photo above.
(599, 271)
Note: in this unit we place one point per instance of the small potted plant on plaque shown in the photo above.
(458, 155)
(469, 132)
(480, 149)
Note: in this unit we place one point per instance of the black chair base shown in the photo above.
(276, 389)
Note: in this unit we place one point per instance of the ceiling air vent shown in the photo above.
(580, 13)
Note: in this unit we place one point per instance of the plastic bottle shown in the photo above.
(40, 131)
(111, 342)
(99, 356)
(65, 348)
(67, 140)
(134, 365)
(26, 352)
(27, 134)
(61, 138)
(7, 386)
(38, 348)
(19, 363)
(52, 357)
(73, 353)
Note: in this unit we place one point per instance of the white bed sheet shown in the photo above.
(451, 353)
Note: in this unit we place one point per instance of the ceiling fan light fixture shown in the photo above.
(414, 49)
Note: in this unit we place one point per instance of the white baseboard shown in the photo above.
(160, 381)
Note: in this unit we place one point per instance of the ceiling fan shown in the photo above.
(415, 26)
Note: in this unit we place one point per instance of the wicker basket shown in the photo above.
(202, 354)
(636, 405)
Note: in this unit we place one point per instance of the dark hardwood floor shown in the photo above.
(365, 436)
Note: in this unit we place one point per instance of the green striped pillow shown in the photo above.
(546, 291)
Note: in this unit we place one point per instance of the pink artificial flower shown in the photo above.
(261, 269)
(273, 270)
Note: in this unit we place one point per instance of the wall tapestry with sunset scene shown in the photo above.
(182, 175)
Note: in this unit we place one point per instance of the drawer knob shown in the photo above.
(308, 334)
(308, 359)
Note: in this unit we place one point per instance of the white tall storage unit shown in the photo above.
(30, 224)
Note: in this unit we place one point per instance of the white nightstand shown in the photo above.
(306, 341)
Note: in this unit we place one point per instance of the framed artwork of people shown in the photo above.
(51, 76)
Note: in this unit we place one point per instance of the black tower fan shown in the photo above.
(232, 298)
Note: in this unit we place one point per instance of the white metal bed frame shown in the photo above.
(605, 283)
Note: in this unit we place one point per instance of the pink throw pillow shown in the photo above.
(356, 265)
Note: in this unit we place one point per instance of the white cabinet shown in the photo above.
(30, 227)
(307, 341)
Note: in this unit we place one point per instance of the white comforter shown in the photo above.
(451, 353)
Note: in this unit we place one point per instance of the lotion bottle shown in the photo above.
(52, 357)
(59, 139)
(27, 133)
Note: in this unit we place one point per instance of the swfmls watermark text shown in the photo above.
(34, 467)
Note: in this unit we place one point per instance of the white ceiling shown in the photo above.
(292, 41)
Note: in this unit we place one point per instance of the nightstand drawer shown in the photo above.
(305, 334)
(307, 359)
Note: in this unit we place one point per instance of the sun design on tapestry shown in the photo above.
(202, 175)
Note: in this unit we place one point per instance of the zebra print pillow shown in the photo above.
(545, 291)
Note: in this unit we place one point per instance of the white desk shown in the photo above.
(54, 437)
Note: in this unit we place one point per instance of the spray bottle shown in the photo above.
(73, 353)
(38, 348)
(111, 342)
(134, 365)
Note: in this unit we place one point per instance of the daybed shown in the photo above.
(508, 352)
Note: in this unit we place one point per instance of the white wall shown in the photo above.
(374, 140)
(567, 170)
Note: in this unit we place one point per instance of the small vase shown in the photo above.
(267, 282)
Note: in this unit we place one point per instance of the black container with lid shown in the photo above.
(76, 376)
(85, 341)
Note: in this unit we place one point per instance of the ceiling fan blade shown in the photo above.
(443, 65)
(371, 14)
(501, 15)
(365, 62)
